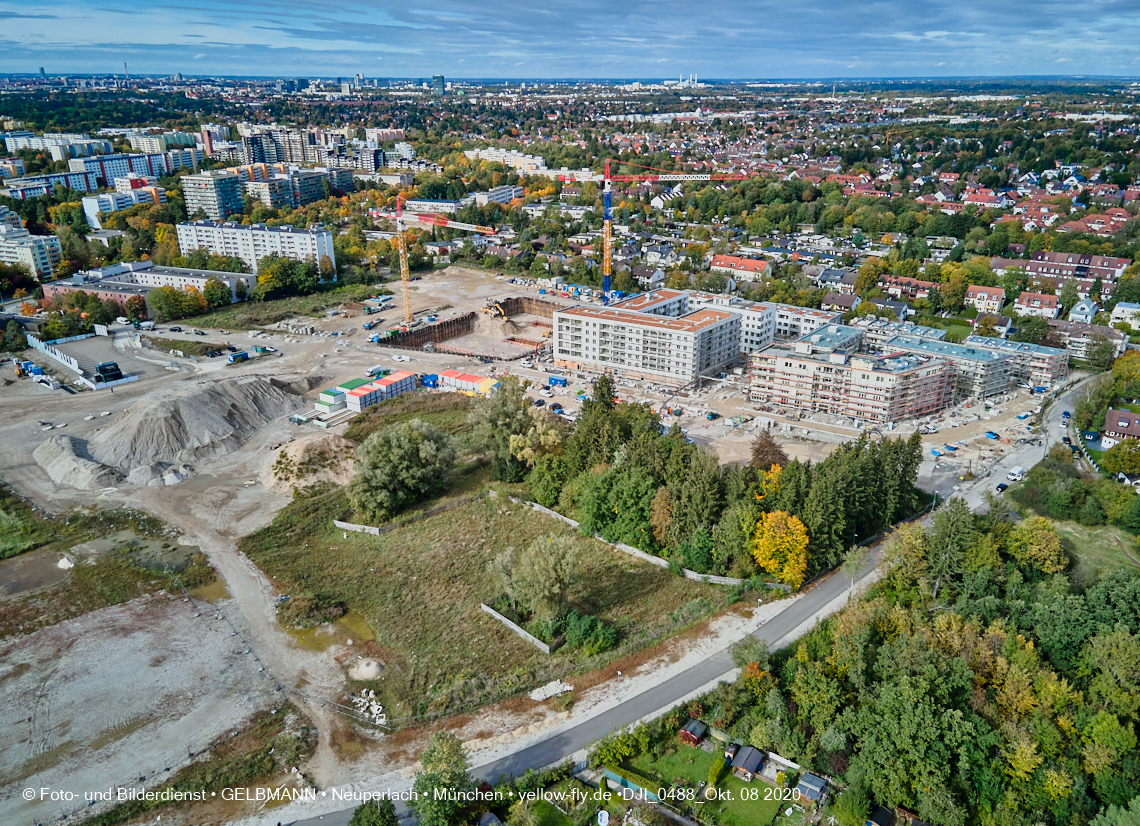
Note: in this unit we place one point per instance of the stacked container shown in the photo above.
(331, 400)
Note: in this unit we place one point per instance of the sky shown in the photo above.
(756, 39)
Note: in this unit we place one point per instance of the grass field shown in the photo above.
(693, 765)
(419, 587)
(447, 411)
(249, 314)
(1097, 549)
(190, 348)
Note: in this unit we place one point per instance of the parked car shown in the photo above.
(556, 407)
(1064, 414)
(199, 333)
(991, 435)
(1002, 487)
(1064, 424)
(545, 393)
(539, 403)
(1066, 440)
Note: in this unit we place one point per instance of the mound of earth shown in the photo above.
(67, 462)
(321, 457)
(195, 421)
(367, 669)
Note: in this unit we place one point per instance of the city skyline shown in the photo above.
(826, 39)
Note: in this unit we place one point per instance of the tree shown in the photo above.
(1034, 542)
(1101, 353)
(905, 555)
(375, 813)
(766, 451)
(545, 573)
(445, 768)
(1119, 815)
(779, 545)
(14, 338)
(495, 420)
(952, 535)
(543, 438)
(216, 292)
(397, 466)
(987, 328)
(136, 308)
(1069, 295)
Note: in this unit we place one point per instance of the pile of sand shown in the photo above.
(193, 421)
(67, 462)
(366, 669)
(321, 457)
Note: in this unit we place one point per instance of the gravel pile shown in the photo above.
(193, 422)
(67, 462)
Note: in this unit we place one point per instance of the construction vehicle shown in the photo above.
(493, 308)
(431, 220)
(368, 325)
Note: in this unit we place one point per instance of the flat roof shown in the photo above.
(640, 303)
(691, 323)
(800, 311)
(942, 348)
(1013, 346)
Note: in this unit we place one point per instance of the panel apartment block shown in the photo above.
(256, 241)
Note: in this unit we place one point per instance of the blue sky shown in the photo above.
(580, 39)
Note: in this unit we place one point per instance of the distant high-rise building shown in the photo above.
(302, 84)
(345, 88)
(438, 86)
(216, 193)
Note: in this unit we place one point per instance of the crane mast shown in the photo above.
(402, 246)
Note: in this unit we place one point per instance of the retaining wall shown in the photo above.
(435, 333)
(533, 640)
(643, 556)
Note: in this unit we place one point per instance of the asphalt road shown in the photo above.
(564, 744)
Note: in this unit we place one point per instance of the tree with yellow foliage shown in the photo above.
(1035, 542)
(779, 545)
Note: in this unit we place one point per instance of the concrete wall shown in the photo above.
(533, 640)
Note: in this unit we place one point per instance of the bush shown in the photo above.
(590, 634)
(716, 771)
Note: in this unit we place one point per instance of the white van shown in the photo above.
(121, 320)
(1015, 474)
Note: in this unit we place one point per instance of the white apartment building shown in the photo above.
(508, 157)
(151, 164)
(641, 346)
(217, 193)
(796, 322)
(39, 254)
(114, 201)
(10, 218)
(256, 241)
(498, 195)
(757, 318)
(812, 376)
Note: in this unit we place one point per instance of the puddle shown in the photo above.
(29, 572)
(148, 552)
(352, 626)
(212, 593)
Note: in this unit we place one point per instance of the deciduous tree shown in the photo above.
(779, 545)
(399, 465)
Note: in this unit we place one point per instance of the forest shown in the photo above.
(978, 683)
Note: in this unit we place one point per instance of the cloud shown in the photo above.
(593, 38)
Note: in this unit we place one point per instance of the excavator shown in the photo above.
(493, 308)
